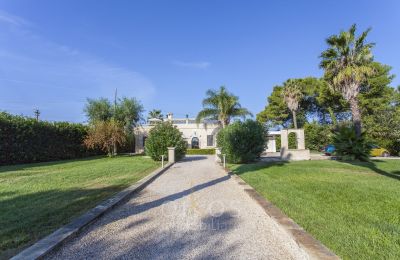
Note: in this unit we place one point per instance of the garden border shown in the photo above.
(51, 242)
(312, 246)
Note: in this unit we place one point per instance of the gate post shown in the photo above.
(171, 154)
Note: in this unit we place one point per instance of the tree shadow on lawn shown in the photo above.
(26, 218)
(372, 166)
(255, 166)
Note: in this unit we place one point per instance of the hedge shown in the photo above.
(25, 140)
(161, 137)
(242, 142)
(200, 151)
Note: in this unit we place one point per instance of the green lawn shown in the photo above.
(354, 209)
(36, 199)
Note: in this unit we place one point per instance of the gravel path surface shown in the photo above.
(193, 211)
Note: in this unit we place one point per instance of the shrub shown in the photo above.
(200, 151)
(105, 135)
(25, 140)
(349, 146)
(242, 142)
(161, 137)
(317, 136)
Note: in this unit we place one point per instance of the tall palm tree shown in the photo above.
(347, 64)
(292, 95)
(155, 113)
(222, 106)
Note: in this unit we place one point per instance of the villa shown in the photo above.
(200, 135)
(197, 134)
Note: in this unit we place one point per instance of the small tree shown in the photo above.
(292, 95)
(242, 142)
(105, 135)
(162, 136)
(126, 112)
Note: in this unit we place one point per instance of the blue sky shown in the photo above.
(55, 54)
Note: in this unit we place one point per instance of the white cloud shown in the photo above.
(196, 65)
(57, 78)
(12, 19)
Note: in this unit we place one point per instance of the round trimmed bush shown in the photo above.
(242, 142)
(161, 137)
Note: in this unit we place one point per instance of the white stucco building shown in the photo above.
(197, 135)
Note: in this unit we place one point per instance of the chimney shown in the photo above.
(169, 116)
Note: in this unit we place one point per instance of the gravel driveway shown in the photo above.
(193, 211)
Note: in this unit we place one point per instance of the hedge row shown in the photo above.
(25, 140)
(200, 151)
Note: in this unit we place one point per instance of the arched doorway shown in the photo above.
(195, 143)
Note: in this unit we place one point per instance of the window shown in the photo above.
(210, 140)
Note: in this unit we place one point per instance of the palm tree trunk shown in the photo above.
(294, 119)
(356, 115)
(223, 123)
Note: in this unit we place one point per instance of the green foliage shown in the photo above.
(125, 111)
(349, 146)
(162, 136)
(222, 106)
(383, 128)
(155, 113)
(26, 140)
(317, 136)
(276, 111)
(200, 151)
(242, 142)
(98, 110)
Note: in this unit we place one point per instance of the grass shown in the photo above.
(354, 209)
(36, 199)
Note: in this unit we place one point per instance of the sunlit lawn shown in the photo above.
(36, 199)
(354, 209)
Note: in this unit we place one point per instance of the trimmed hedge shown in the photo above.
(25, 140)
(162, 136)
(200, 151)
(242, 142)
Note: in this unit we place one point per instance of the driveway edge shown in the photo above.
(47, 244)
(314, 248)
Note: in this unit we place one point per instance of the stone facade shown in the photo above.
(197, 135)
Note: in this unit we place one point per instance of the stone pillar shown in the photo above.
(171, 154)
(218, 154)
(301, 144)
(284, 139)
